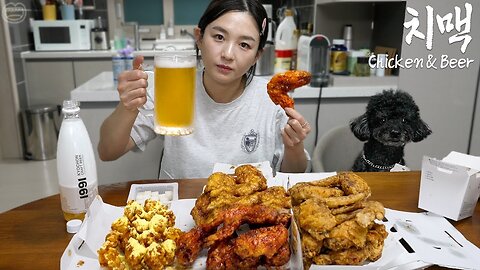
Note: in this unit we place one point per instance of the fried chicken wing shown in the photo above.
(265, 241)
(281, 83)
(189, 246)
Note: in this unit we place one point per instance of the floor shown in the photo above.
(24, 181)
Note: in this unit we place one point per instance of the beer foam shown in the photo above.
(178, 63)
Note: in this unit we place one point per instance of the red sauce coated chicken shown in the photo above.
(282, 83)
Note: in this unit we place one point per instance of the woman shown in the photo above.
(235, 120)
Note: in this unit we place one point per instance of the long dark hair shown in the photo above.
(217, 8)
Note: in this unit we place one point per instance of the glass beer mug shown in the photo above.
(174, 97)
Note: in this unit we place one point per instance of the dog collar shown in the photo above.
(380, 167)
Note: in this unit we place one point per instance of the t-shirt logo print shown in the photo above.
(250, 141)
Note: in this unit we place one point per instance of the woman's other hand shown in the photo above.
(296, 129)
(132, 86)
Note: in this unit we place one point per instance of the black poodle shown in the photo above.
(392, 119)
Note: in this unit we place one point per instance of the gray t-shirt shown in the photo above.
(246, 130)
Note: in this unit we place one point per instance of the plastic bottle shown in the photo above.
(118, 66)
(128, 58)
(339, 56)
(285, 43)
(76, 168)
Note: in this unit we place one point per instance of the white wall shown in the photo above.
(446, 97)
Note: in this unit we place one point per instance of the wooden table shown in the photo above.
(33, 236)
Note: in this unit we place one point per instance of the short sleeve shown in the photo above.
(280, 122)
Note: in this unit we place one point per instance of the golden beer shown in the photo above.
(174, 94)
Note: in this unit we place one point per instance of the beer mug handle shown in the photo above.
(150, 97)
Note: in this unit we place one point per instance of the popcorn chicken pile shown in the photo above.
(143, 238)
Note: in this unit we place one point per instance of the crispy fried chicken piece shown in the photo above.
(303, 191)
(222, 190)
(247, 180)
(376, 239)
(364, 215)
(281, 83)
(355, 189)
(222, 256)
(345, 235)
(233, 217)
(264, 241)
(310, 246)
(355, 256)
(314, 217)
(281, 257)
(189, 246)
(275, 197)
(207, 209)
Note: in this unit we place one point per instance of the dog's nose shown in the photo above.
(395, 133)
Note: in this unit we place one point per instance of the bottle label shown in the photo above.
(338, 61)
(72, 200)
(76, 198)
(283, 60)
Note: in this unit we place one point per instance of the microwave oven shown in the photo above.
(62, 35)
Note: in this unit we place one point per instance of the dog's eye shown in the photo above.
(383, 120)
(404, 120)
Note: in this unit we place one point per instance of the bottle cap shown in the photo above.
(362, 60)
(73, 226)
(338, 42)
(288, 12)
(71, 106)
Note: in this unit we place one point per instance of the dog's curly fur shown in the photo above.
(392, 119)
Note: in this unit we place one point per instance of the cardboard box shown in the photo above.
(450, 187)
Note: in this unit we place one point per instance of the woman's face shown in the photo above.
(229, 46)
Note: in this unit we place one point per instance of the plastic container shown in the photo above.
(353, 58)
(76, 167)
(285, 43)
(338, 58)
(362, 69)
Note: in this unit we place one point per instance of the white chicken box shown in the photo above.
(450, 187)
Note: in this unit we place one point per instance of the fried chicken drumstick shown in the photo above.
(282, 83)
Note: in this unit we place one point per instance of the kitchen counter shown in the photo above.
(77, 54)
(100, 88)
